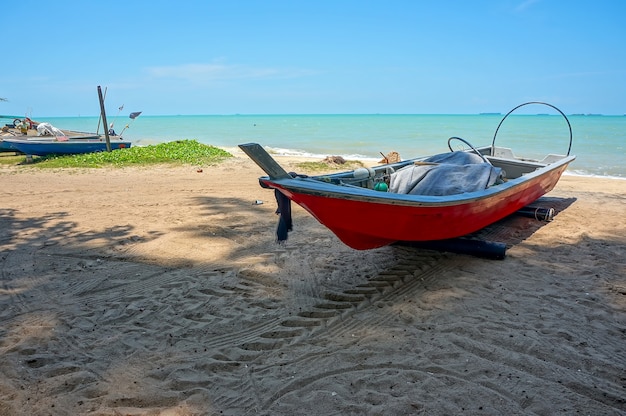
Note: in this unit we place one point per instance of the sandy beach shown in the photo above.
(161, 291)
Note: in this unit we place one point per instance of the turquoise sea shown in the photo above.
(599, 142)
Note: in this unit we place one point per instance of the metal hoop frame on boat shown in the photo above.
(493, 143)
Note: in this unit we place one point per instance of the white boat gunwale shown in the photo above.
(318, 186)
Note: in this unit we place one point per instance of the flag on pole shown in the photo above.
(134, 115)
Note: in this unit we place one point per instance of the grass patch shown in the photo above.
(179, 152)
(8, 158)
(327, 167)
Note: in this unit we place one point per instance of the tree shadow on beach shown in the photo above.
(104, 329)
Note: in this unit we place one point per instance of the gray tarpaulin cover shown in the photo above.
(450, 174)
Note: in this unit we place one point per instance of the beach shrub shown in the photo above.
(187, 152)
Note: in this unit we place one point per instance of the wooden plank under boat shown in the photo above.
(365, 218)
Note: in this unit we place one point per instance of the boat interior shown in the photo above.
(503, 158)
(500, 157)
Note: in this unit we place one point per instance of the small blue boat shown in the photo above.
(45, 147)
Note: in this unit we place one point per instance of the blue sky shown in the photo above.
(312, 57)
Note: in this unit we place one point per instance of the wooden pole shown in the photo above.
(104, 99)
(104, 119)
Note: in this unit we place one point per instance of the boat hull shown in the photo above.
(6, 147)
(70, 147)
(369, 219)
(456, 200)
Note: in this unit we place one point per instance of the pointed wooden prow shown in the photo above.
(259, 155)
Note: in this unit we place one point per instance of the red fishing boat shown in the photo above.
(440, 197)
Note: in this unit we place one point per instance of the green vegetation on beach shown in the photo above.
(316, 167)
(181, 152)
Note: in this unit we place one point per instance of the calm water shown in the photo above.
(599, 142)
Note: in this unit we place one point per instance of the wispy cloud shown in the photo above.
(525, 5)
(208, 72)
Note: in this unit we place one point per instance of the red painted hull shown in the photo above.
(370, 219)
